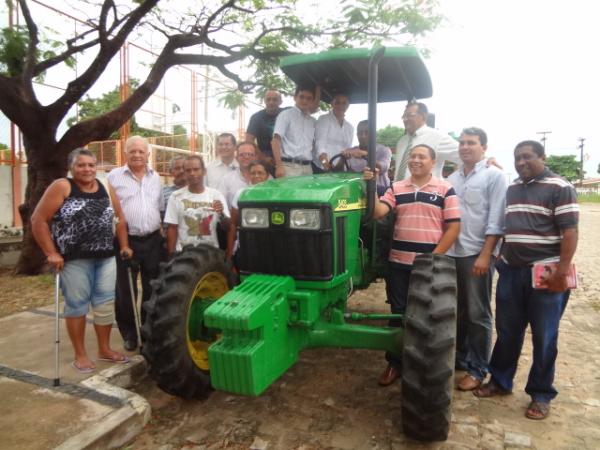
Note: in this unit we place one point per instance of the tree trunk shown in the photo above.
(45, 164)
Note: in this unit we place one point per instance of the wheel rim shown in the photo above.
(209, 289)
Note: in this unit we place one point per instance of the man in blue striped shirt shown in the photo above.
(140, 193)
(541, 222)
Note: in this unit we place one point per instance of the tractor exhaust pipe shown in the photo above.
(372, 98)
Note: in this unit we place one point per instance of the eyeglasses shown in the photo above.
(246, 155)
(409, 115)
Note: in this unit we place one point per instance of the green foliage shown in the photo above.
(232, 99)
(389, 136)
(13, 50)
(566, 166)
(3, 146)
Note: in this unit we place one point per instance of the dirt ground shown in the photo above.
(19, 292)
(330, 398)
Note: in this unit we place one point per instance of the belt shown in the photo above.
(144, 237)
(295, 161)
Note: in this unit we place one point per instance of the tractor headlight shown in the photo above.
(305, 219)
(255, 217)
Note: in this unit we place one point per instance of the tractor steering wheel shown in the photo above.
(333, 163)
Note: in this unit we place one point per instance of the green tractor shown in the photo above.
(305, 244)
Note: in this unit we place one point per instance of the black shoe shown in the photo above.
(130, 345)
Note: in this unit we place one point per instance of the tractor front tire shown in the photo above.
(175, 340)
(429, 347)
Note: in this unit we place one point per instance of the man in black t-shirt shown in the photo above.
(260, 127)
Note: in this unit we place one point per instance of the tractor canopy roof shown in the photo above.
(402, 73)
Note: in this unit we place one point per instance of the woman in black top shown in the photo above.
(73, 225)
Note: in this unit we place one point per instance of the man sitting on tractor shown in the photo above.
(427, 221)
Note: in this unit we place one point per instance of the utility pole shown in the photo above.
(581, 141)
(543, 138)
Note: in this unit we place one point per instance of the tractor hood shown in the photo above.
(339, 190)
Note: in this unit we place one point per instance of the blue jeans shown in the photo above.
(86, 282)
(518, 304)
(474, 317)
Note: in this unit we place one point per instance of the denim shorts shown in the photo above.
(87, 281)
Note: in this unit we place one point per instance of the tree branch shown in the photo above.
(77, 87)
(30, 59)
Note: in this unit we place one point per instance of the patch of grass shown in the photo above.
(588, 198)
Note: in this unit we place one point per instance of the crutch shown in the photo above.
(56, 332)
(134, 301)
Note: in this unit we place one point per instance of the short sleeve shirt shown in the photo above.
(194, 216)
(261, 125)
(297, 133)
(420, 217)
(536, 212)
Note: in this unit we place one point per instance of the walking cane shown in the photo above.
(134, 301)
(56, 332)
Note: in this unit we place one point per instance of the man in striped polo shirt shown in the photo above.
(427, 221)
(540, 223)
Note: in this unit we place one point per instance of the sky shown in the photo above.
(513, 68)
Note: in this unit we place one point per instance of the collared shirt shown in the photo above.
(421, 213)
(217, 170)
(446, 149)
(536, 212)
(141, 200)
(383, 156)
(297, 133)
(232, 183)
(482, 195)
(331, 138)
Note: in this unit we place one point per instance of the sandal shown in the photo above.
(537, 410)
(489, 389)
(81, 369)
(116, 358)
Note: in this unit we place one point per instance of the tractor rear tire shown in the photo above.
(174, 339)
(429, 347)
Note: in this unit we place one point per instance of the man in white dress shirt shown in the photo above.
(418, 133)
(333, 133)
(140, 193)
(294, 135)
(225, 163)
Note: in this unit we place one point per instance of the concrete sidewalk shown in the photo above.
(85, 411)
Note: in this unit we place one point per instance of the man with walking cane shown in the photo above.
(139, 190)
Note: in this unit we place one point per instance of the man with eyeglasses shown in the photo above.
(417, 133)
(224, 164)
(239, 178)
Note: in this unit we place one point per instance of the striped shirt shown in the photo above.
(421, 213)
(141, 200)
(536, 212)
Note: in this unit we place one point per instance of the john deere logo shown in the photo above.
(277, 218)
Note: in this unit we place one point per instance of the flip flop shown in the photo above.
(123, 360)
(537, 410)
(75, 365)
